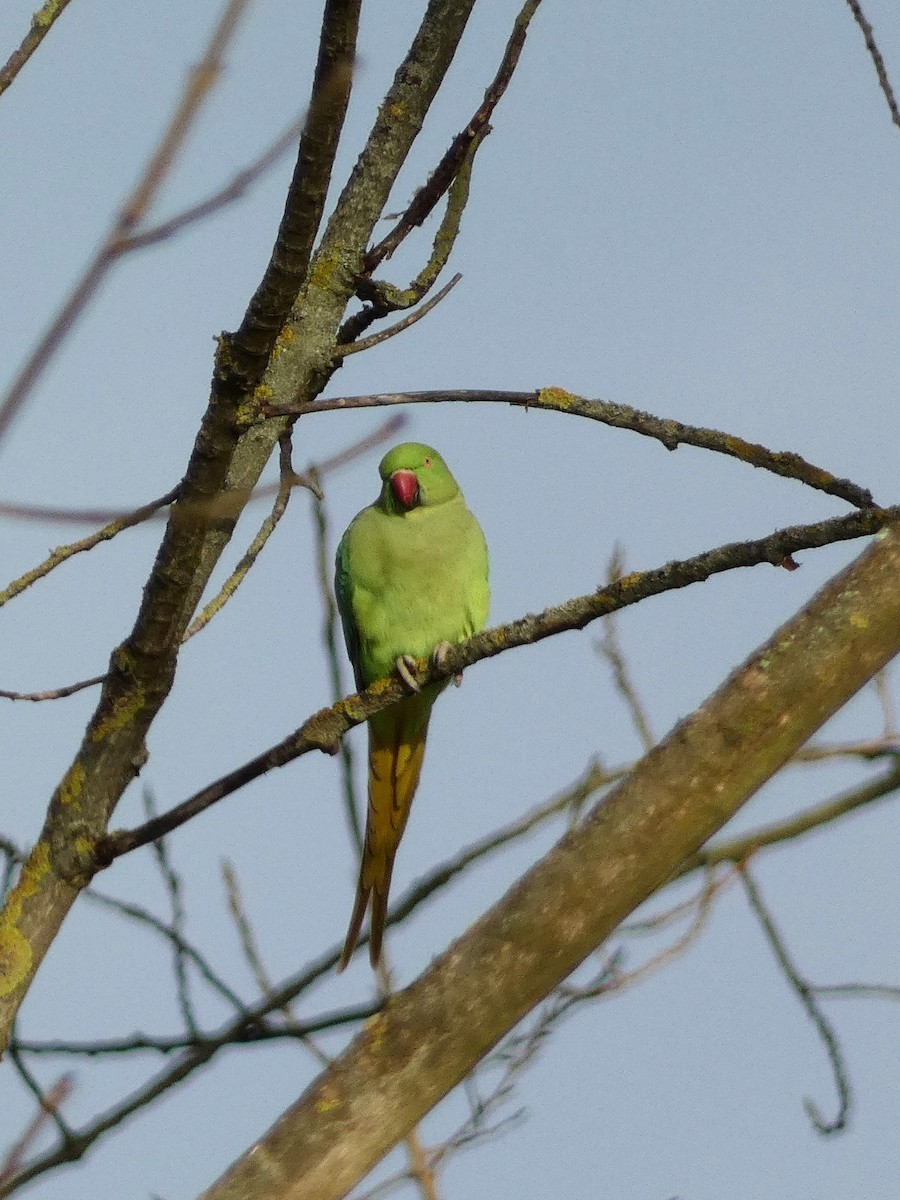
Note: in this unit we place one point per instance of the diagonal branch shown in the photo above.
(199, 83)
(41, 24)
(427, 197)
(324, 730)
(877, 59)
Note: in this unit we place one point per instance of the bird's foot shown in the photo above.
(439, 660)
(404, 666)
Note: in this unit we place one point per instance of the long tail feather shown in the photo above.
(396, 750)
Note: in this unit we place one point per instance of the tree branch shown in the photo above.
(324, 729)
(671, 434)
(41, 24)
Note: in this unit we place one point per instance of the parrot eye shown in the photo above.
(426, 462)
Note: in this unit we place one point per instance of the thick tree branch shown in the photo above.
(434, 1031)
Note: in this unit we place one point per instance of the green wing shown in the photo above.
(343, 590)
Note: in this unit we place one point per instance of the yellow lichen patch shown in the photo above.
(554, 397)
(328, 1098)
(375, 1028)
(84, 847)
(284, 341)
(323, 270)
(858, 621)
(71, 787)
(15, 959)
(119, 715)
(15, 952)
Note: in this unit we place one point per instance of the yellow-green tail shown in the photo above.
(396, 750)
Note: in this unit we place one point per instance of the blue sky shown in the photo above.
(691, 209)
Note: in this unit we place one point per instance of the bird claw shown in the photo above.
(404, 666)
(439, 660)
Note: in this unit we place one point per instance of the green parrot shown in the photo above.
(411, 577)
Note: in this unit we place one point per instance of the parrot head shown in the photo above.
(415, 476)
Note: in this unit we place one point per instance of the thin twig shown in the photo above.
(41, 23)
(738, 849)
(806, 996)
(889, 713)
(856, 991)
(870, 749)
(376, 338)
(875, 54)
(17, 1154)
(333, 657)
(59, 693)
(44, 1100)
(427, 197)
(232, 191)
(119, 522)
(172, 884)
(253, 957)
(250, 1030)
(288, 482)
(619, 981)
(176, 939)
(610, 649)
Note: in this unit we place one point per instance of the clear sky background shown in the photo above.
(689, 208)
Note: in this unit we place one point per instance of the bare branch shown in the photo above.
(324, 730)
(856, 991)
(878, 62)
(41, 24)
(63, 553)
(741, 848)
(427, 197)
(253, 551)
(376, 338)
(324, 573)
(232, 191)
(611, 651)
(59, 693)
(52, 1102)
(176, 939)
(671, 434)
(254, 959)
(172, 883)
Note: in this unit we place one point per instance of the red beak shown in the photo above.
(405, 487)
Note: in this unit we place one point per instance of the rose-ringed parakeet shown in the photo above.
(411, 575)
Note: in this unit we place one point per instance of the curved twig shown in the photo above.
(671, 434)
(806, 996)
